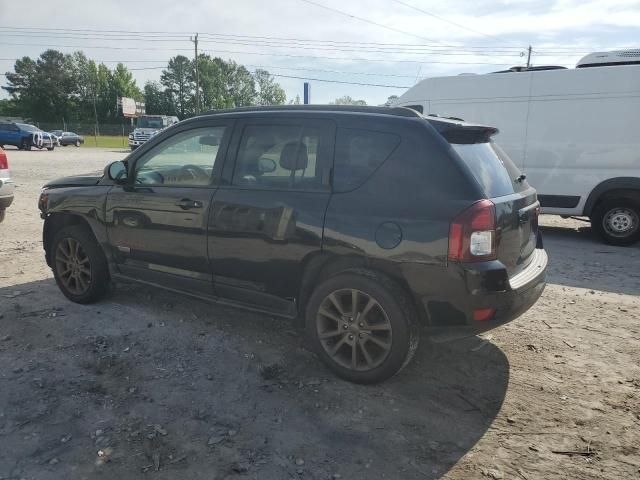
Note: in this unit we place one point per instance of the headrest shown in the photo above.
(294, 156)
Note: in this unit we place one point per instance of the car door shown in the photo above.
(13, 135)
(156, 223)
(266, 221)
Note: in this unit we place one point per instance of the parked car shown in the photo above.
(6, 185)
(70, 138)
(56, 136)
(366, 225)
(554, 125)
(25, 136)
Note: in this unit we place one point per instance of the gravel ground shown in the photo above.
(151, 384)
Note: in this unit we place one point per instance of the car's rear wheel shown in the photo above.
(617, 221)
(79, 265)
(25, 144)
(50, 148)
(362, 326)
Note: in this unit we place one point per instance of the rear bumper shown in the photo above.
(480, 286)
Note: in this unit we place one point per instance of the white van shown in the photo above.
(573, 132)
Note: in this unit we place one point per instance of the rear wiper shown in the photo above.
(521, 178)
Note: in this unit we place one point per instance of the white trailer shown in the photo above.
(573, 132)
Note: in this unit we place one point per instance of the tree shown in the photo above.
(178, 79)
(158, 101)
(43, 89)
(269, 92)
(391, 100)
(225, 84)
(123, 84)
(347, 100)
(295, 101)
(8, 108)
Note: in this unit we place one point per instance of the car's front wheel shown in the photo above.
(77, 143)
(617, 221)
(79, 265)
(362, 326)
(2, 215)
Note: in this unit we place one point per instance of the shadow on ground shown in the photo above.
(150, 381)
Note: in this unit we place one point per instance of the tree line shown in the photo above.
(71, 87)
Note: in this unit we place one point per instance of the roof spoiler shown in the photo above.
(462, 132)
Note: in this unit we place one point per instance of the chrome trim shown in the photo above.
(537, 265)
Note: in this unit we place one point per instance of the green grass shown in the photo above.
(105, 141)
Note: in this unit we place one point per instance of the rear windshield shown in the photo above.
(492, 168)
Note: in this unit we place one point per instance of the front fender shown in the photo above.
(72, 206)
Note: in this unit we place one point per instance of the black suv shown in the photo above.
(365, 225)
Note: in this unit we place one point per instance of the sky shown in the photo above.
(388, 44)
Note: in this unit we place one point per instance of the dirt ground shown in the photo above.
(148, 384)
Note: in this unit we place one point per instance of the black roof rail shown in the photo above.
(532, 69)
(397, 111)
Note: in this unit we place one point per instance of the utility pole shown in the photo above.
(529, 57)
(195, 44)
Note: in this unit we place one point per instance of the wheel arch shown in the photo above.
(53, 222)
(625, 187)
(325, 265)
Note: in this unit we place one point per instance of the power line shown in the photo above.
(381, 48)
(339, 81)
(183, 36)
(123, 34)
(365, 20)
(104, 47)
(445, 20)
(217, 51)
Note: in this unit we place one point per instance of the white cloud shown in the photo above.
(547, 25)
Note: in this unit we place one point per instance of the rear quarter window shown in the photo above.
(492, 168)
(358, 154)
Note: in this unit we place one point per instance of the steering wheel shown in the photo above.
(194, 171)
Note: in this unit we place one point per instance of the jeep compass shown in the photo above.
(368, 226)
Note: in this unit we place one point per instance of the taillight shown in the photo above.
(4, 163)
(472, 235)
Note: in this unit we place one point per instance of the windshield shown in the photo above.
(492, 168)
(150, 122)
(28, 128)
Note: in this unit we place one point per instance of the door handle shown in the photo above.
(187, 204)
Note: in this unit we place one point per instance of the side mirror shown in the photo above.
(266, 165)
(116, 171)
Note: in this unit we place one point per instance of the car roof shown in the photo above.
(393, 111)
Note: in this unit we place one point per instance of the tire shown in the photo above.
(617, 221)
(87, 288)
(25, 145)
(391, 321)
(50, 148)
(77, 143)
(3, 213)
(64, 145)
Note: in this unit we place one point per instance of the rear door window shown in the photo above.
(281, 157)
(492, 168)
(359, 153)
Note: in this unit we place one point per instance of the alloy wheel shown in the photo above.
(354, 329)
(72, 266)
